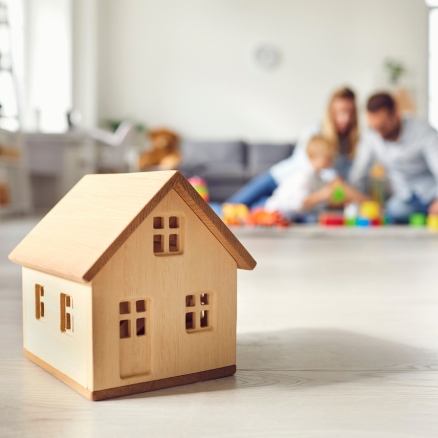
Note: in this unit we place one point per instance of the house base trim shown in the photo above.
(61, 376)
(136, 388)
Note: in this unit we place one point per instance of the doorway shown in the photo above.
(134, 337)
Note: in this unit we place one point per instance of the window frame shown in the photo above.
(136, 312)
(166, 236)
(200, 310)
(40, 296)
(66, 313)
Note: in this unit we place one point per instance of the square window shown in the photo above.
(173, 243)
(125, 307)
(204, 299)
(125, 329)
(141, 326)
(158, 243)
(190, 321)
(158, 223)
(190, 301)
(204, 318)
(173, 222)
(140, 306)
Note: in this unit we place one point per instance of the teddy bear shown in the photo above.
(164, 151)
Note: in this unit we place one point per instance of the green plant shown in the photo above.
(395, 69)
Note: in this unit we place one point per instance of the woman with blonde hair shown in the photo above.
(339, 127)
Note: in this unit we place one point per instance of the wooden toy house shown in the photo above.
(130, 285)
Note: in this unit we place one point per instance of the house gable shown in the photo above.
(164, 282)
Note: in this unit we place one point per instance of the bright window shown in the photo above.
(11, 61)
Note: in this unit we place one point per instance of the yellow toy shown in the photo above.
(370, 210)
(234, 214)
(432, 223)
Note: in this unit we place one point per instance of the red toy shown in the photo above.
(332, 220)
(377, 222)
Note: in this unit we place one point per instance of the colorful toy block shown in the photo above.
(234, 214)
(432, 223)
(370, 210)
(363, 222)
(200, 185)
(350, 222)
(351, 212)
(264, 218)
(332, 220)
(377, 222)
(417, 220)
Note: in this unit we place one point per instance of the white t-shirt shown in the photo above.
(282, 170)
(289, 197)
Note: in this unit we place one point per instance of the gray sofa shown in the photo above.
(228, 165)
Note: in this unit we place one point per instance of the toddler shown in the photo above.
(310, 188)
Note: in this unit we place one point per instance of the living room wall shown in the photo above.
(189, 64)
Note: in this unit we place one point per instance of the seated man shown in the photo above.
(408, 149)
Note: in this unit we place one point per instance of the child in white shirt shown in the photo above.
(309, 189)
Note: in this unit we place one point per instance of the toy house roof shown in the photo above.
(85, 229)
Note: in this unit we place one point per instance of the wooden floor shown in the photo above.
(337, 337)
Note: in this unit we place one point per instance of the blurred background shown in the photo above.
(86, 84)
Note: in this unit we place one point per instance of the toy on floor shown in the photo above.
(370, 210)
(134, 288)
(332, 219)
(261, 217)
(432, 223)
(234, 214)
(365, 222)
(370, 214)
(200, 185)
(366, 214)
(351, 213)
(417, 220)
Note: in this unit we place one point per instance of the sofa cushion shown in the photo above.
(261, 156)
(215, 159)
(220, 191)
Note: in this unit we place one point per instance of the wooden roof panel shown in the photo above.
(83, 231)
